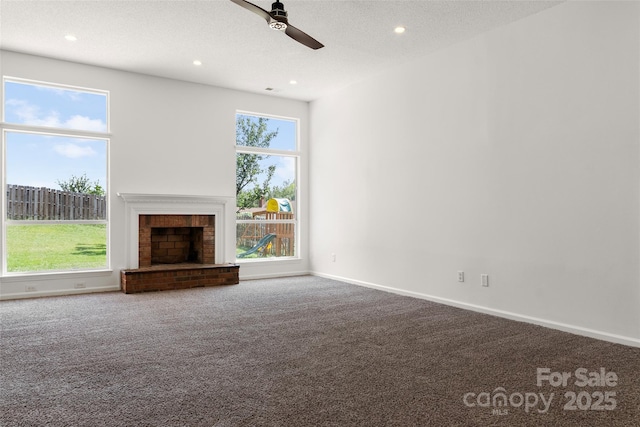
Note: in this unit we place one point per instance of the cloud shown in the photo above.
(32, 115)
(285, 170)
(74, 151)
(71, 94)
(23, 110)
(85, 123)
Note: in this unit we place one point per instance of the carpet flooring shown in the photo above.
(301, 351)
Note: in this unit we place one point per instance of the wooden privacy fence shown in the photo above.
(33, 203)
(250, 232)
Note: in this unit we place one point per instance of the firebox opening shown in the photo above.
(174, 245)
(176, 239)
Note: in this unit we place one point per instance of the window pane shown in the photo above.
(263, 132)
(54, 107)
(270, 177)
(42, 247)
(267, 208)
(265, 239)
(55, 177)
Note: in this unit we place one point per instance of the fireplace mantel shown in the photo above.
(137, 204)
(172, 198)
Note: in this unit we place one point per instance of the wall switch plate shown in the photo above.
(484, 279)
(460, 276)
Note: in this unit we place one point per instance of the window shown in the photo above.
(55, 175)
(267, 160)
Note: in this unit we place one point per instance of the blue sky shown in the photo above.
(286, 138)
(40, 160)
(55, 107)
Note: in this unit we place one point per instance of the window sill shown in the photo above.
(286, 260)
(26, 277)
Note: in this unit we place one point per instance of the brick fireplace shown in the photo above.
(176, 242)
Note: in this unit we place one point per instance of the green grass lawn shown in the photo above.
(44, 247)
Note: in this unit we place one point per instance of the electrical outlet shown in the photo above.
(484, 279)
(30, 288)
(333, 257)
(80, 285)
(460, 276)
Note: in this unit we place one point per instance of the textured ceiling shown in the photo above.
(237, 48)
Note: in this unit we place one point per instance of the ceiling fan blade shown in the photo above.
(253, 8)
(302, 37)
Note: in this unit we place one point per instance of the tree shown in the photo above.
(81, 184)
(252, 132)
(287, 191)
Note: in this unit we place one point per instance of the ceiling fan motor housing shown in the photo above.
(277, 10)
(278, 19)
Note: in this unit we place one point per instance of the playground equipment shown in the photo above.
(268, 223)
(279, 209)
(279, 205)
(260, 247)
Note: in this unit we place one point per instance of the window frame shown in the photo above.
(6, 128)
(297, 156)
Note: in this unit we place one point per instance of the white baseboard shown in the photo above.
(56, 293)
(591, 333)
(272, 275)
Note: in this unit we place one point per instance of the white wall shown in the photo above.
(515, 154)
(168, 137)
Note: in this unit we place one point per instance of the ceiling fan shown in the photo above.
(277, 19)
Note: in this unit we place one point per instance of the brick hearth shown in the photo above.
(178, 276)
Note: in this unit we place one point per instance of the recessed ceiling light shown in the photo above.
(399, 30)
(71, 37)
(196, 62)
(293, 82)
